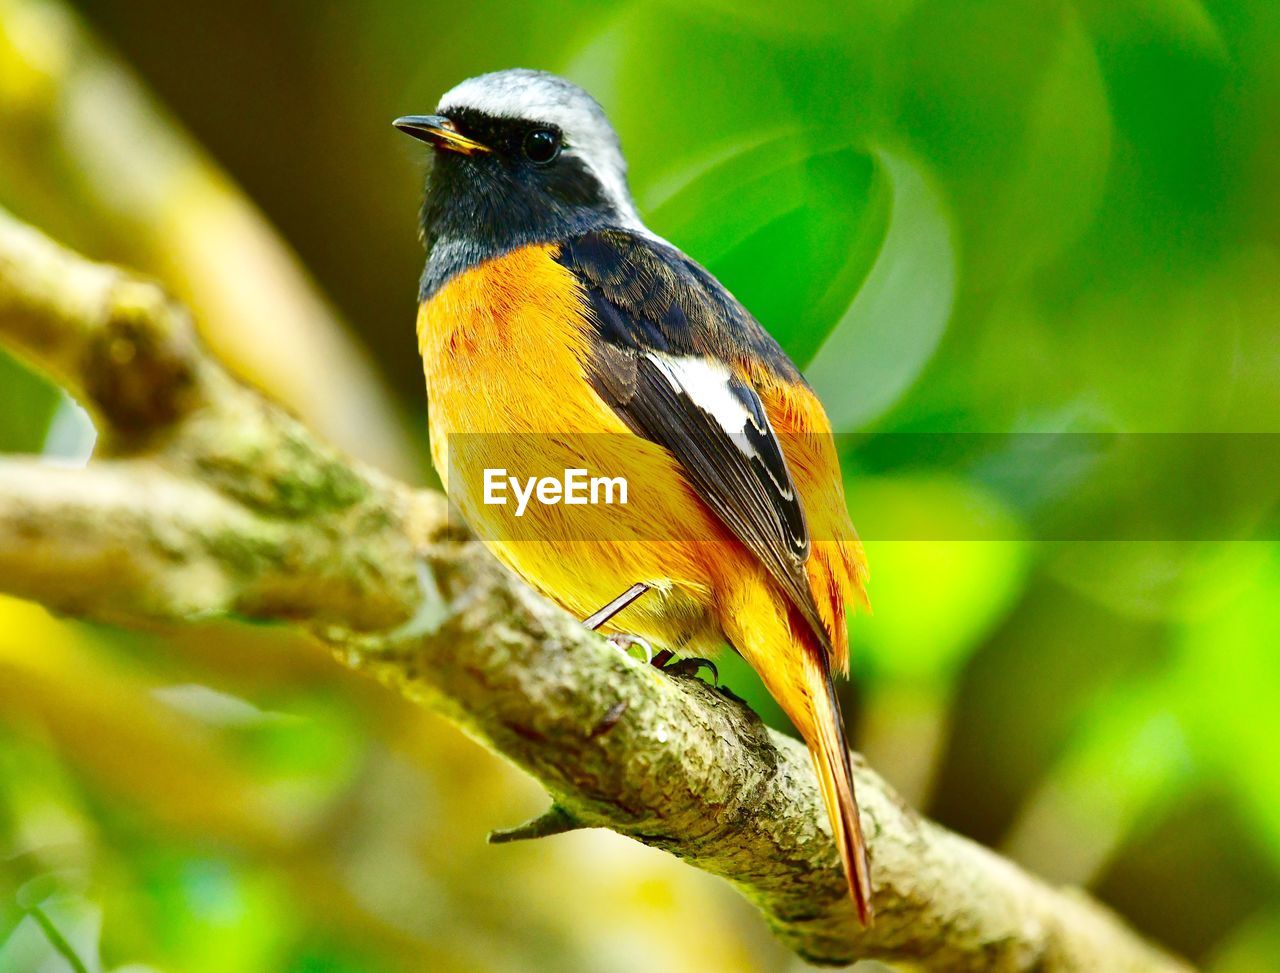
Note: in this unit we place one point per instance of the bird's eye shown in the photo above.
(542, 145)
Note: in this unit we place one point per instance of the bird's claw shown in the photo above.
(665, 660)
(624, 643)
(691, 667)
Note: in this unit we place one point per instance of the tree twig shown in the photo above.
(219, 502)
(555, 820)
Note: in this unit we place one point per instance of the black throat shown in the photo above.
(481, 206)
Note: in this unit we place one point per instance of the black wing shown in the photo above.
(666, 332)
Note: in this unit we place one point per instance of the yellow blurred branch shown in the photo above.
(86, 148)
(222, 503)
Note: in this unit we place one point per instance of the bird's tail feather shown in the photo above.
(830, 752)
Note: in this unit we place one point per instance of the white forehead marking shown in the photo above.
(541, 97)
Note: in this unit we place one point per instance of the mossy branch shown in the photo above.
(207, 499)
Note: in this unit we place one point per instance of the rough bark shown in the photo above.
(206, 499)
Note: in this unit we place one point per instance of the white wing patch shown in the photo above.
(707, 383)
(710, 386)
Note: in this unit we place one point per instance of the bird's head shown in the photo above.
(521, 157)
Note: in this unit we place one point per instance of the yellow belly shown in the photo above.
(503, 346)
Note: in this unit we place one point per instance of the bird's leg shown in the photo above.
(598, 618)
(661, 660)
(621, 642)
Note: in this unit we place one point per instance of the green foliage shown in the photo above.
(27, 406)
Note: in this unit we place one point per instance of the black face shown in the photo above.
(529, 188)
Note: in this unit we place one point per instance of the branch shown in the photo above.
(222, 503)
(88, 149)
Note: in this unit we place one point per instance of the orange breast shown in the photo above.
(502, 348)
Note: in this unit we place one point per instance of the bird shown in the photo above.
(557, 331)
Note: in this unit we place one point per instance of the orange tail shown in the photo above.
(830, 752)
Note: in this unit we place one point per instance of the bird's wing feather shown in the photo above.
(663, 355)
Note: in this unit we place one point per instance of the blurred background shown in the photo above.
(1029, 255)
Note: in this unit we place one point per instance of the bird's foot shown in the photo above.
(666, 661)
(625, 643)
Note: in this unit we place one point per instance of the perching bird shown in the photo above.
(557, 331)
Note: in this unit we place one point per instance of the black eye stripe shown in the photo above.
(504, 134)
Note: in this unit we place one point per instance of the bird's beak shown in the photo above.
(439, 131)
